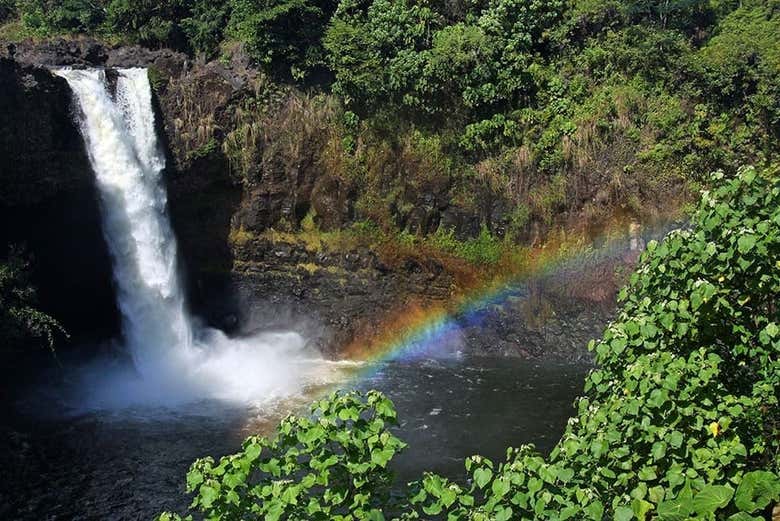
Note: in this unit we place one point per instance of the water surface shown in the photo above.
(131, 464)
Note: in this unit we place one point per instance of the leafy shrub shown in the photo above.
(196, 25)
(46, 17)
(485, 248)
(681, 419)
(332, 465)
(205, 26)
(740, 67)
(371, 49)
(7, 9)
(205, 150)
(518, 220)
(20, 320)
(148, 22)
(642, 50)
(675, 13)
(406, 54)
(282, 35)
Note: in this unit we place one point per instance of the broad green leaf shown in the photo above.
(711, 498)
(482, 476)
(746, 243)
(756, 490)
(675, 510)
(641, 508)
(742, 516)
(500, 487)
(624, 514)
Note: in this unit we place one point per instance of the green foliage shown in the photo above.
(196, 25)
(485, 248)
(371, 48)
(157, 80)
(330, 465)
(205, 26)
(654, 54)
(208, 148)
(630, 98)
(283, 35)
(680, 420)
(517, 222)
(20, 321)
(674, 13)
(7, 9)
(149, 22)
(45, 17)
(406, 54)
(740, 67)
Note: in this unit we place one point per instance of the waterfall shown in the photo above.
(173, 360)
(128, 162)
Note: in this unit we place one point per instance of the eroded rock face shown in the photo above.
(42, 149)
(87, 52)
(329, 296)
(48, 201)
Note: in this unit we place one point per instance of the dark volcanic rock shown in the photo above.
(49, 203)
(330, 297)
(42, 151)
(87, 52)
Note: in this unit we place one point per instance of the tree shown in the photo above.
(283, 35)
(423, 60)
(49, 16)
(154, 23)
(205, 26)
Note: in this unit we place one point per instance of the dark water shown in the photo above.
(454, 409)
(131, 465)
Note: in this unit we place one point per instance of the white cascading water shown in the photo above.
(174, 360)
(128, 163)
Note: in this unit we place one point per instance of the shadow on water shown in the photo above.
(107, 467)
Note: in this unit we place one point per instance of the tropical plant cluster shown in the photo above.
(680, 420)
(493, 73)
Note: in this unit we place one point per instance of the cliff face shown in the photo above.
(48, 201)
(246, 157)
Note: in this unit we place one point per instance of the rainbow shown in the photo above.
(429, 331)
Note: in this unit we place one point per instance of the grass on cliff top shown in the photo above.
(14, 30)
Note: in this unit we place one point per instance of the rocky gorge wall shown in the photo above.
(48, 202)
(234, 175)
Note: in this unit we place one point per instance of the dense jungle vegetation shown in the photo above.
(680, 420)
(573, 109)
